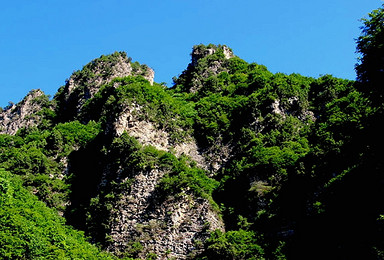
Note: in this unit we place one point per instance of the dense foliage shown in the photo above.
(31, 230)
(37, 156)
(293, 163)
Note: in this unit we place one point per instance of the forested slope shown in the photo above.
(231, 162)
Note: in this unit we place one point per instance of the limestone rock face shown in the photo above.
(84, 84)
(199, 52)
(176, 227)
(206, 61)
(23, 114)
(291, 108)
(148, 134)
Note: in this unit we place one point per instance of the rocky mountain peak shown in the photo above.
(202, 51)
(84, 84)
(206, 61)
(104, 69)
(24, 113)
(233, 162)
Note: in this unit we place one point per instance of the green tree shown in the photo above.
(31, 230)
(239, 244)
(370, 45)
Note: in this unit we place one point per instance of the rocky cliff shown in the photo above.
(85, 83)
(171, 228)
(24, 114)
(206, 61)
(148, 133)
(141, 220)
(210, 167)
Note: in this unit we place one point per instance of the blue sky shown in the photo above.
(43, 42)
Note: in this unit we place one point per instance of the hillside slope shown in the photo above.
(231, 162)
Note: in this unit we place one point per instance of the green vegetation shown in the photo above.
(37, 156)
(152, 103)
(182, 177)
(293, 163)
(31, 230)
(238, 244)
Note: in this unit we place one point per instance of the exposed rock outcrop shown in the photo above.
(148, 134)
(291, 108)
(201, 51)
(24, 114)
(206, 61)
(84, 84)
(176, 227)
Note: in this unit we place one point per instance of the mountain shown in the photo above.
(231, 162)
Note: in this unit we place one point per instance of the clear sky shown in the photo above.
(43, 41)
